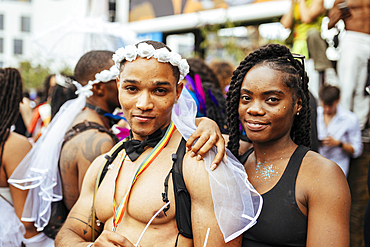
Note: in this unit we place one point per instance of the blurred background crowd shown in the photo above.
(44, 39)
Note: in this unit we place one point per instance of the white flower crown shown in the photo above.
(163, 55)
(103, 76)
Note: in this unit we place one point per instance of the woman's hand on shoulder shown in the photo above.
(209, 136)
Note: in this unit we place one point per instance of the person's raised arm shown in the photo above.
(209, 136)
(76, 231)
(309, 13)
(202, 209)
(329, 204)
(287, 19)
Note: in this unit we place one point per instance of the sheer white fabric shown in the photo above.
(237, 204)
(38, 171)
(40, 240)
(11, 228)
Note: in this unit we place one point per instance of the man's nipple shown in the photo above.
(160, 215)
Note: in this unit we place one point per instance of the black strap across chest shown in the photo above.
(87, 125)
(182, 197)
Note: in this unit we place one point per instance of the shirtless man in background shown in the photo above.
(354, 56)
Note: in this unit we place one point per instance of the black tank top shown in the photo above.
(281, 222)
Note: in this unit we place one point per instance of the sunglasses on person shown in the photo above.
(301, 58)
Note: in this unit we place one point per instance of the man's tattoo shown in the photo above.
(88, 225)
(90, 153)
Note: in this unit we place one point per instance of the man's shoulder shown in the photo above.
(347, 116)
(194, 172)
(87, 129)
(85, 143)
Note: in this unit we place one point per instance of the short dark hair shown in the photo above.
(157, 45)
(329, 94)
(91, 63)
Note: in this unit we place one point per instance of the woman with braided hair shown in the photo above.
(306, 196)
(13, 148)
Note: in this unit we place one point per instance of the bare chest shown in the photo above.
(144, 199)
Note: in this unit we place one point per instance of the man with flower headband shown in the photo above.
(136, 192)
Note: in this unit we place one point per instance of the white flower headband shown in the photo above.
(103, 76)
(145, 50)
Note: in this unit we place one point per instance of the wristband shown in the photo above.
(90, 244)
(341, 144)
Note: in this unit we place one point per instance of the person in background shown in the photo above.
(338, 129)
(41, 115)
(306, 197)
(63, 91)
(206, 91)
(304, 18)
(354, 56)
(224, 72)
(13, 148)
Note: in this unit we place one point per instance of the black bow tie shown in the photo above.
(135, 148)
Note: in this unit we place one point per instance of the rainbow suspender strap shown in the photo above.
(119, 212)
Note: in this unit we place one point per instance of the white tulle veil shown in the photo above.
(237, 204)
(38, 172)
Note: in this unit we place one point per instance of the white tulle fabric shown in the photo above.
(237, 204)
(38, 171)
(11, 228)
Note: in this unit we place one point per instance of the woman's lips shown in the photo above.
(255, 126)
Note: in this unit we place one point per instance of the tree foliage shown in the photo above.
(33, 76)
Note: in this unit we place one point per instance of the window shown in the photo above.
(18, 46)
(1, 22)
(1, 64)
(25, 24)
(1, 45)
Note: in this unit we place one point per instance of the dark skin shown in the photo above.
(78, 153)
(267, 109)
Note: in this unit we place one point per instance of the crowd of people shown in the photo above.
(143, 147)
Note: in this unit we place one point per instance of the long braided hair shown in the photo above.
(10, 97)
(277, 57)
(215, 100)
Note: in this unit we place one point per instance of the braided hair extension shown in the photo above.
(60, 95)
(277, 57)
(46, 88)
(10, 97)
(211, 86)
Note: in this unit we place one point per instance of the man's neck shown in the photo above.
(328, 118)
